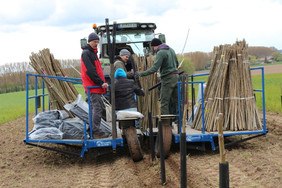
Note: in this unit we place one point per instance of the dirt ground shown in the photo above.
(254, 163)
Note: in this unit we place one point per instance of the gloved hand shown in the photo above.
(137, 75)
(142, 92)
(130, 75)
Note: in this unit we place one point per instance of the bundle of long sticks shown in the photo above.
(229, 90)
(148, 102)
(60, 92)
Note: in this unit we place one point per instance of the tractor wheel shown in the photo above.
(167, 138)
(133, 144)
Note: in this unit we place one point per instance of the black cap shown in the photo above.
(156, 42)
(93, 36)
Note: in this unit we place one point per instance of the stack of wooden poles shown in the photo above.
(60, 92)
(229, 90)
(148, 102)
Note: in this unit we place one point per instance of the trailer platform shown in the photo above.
(193, 135)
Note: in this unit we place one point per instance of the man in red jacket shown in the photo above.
(92, 75)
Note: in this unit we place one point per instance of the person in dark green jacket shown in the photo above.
(165, 61)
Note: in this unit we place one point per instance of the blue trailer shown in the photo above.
(203, 136)
(86, 143)
(171, 131)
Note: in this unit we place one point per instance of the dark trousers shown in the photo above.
(169, 93)
(97, 108)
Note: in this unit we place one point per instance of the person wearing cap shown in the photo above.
(165, 61)
(92, 75)
(125, 90)
(121, 61)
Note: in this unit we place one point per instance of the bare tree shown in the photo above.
(260, 51)
(13, 75)
(199, 59)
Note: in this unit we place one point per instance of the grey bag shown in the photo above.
(80, 109)
(50, 115)
(73, 129)
(47, 124)
(46, 134)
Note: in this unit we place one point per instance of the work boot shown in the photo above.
(101, 135)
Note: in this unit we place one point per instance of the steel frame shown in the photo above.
(209, 136)
(85, 143)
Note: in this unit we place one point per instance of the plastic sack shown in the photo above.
(108, 108)
(79, 108)
(108, 112)
(48, 123)
(47, 115)
(50, 133)
(198, 102)
(50, 115)
(73, 129)
(123, 115)
(63, 114)
(105, 127)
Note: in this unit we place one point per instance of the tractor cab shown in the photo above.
(135, 37)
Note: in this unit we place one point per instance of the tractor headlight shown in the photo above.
(143, 26)
(103, 28)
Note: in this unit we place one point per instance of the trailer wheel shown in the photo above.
(133, 144)
(167, 138)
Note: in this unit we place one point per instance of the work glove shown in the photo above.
(137, 75)
(142, 92)
(130, 75)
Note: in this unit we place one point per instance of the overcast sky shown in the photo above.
(28, 26)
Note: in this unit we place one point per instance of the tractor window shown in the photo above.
(105, 51)
(131, 36)
(136, 41)
(134, 48)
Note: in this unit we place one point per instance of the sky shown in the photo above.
(27, 26)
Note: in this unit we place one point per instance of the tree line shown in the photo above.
(13, 75)
(202, 60)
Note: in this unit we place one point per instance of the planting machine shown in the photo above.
(136, 38)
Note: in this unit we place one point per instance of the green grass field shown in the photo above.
(273, 91)
(13, 105)
(267, 64)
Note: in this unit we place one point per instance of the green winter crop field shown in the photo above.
(13, 105)
(273, 90)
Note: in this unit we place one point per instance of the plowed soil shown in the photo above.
(254, 163)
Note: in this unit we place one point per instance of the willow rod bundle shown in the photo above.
(229, 91)
(60, 92)
(146, 103)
